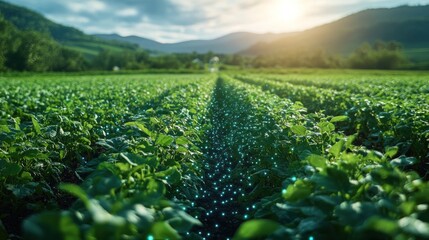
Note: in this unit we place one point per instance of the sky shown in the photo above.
(180, 20)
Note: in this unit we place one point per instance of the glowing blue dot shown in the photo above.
(311, 238)
(284, 191)
(294, 178)
(246, 216)
(150, 237)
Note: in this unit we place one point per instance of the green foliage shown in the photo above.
(381, 55)
(32, 51)
(29, 21)
(256, 229)
(251, 156)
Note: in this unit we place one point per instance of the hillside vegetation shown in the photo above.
(27, 20)
(407, 25)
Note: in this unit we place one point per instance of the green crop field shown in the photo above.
(298, 154)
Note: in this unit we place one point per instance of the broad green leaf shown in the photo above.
(23, 190)
(337, 148)
(180, 220)
(299, 130)
(182, 141)
(378, 224)
(298, 191)
(340, 177)
(153, 190)
(51, 225)
(34, 153)
(140, 216)
(171, 175)
(102, 217)
(164, 140)
(4, 128)
(391, 151)
(36, 125)
(339, 119)
(326, 127)
(9, 169)
(415, 227)
(317, 161)
(355, 214)
(162, 230)
(140, 126)
(102, 182)
(256, 229)
(403, 161)
(309, 224)
(76, 191)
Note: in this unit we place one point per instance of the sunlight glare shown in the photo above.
(287, 11)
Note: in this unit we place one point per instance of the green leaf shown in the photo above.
(337, 148)
(339, 119)
(162, 230)
(299, 130)
(140, 126)
(4, 128)
(51, 225)
(23, 190)
(153, 190)
(76, 191)
(140, 216)
(309, 224)
(256, 229)
(102, 182)
(36, 125)
(340, 177)
(355, 214)
(403, 161)
(326, 127)
(180, 220)
(9, 169)
(171, 175)
(415, 227)
(298, 191)
(34, 153)
(378, 224)
(391, 151)
(317, 161)
(164, 140)
(182, 141)
(125, 157)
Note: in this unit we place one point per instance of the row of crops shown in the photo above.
(237, 156)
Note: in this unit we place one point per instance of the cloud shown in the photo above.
(92, 6)
(177, 20)
(127, 12)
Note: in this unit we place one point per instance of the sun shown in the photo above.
(287, 11)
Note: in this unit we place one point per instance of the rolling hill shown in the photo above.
(228, 44)
(406, 24)
(28, 20)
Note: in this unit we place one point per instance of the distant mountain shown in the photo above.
(231, 43)
(28, 20)
(406, 24)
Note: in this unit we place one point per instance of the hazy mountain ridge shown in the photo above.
(405, 24)
(227, 44)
